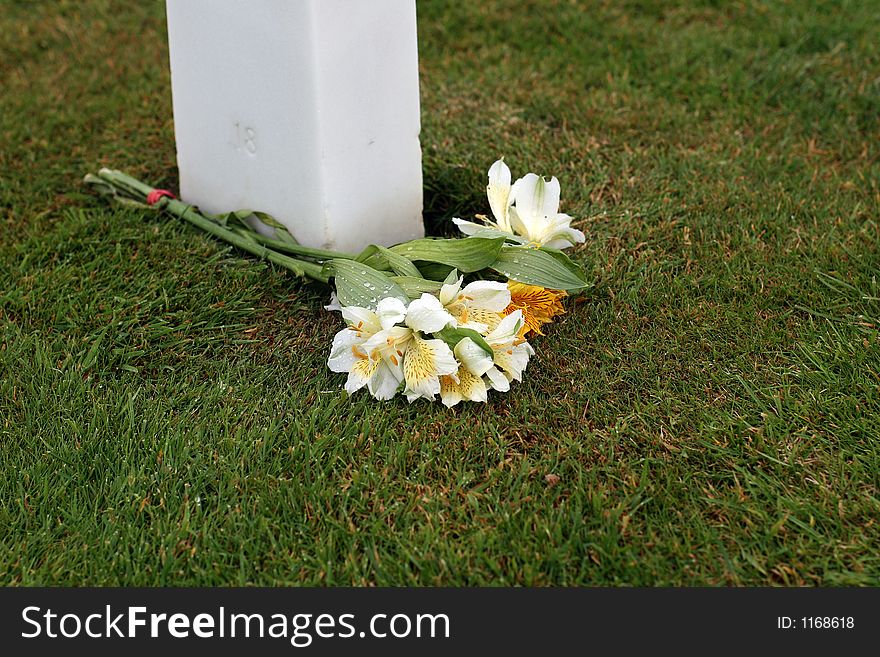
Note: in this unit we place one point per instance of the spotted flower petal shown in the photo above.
(465, 387)
(424, 362)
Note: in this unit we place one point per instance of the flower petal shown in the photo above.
(551, 195)
(520, 227)
(514, 359)
(334, 303)
(480, 327)
(360, 374)
(498, 191)
(472, 357)
(424, 362)
(361, 319)
(538, 305)
(342, 353)
(507, 330)
(536, 206)
(558, 234)
(472, 387)
(497, 380)
(390, 311)
(383, 384)
(449, 392)
(564, 237)
(468, 387)
(390, 344)
(489, 295)
(427, 314)
(449, 291)
(467, 227)
(536, 198)
(526, 195)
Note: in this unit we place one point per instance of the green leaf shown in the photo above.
(358, 284)
(415, 286)
(466, 255)
(269, 220)
(114, 193)
(400, 265)
(281, 232)
(99, 185)
(436, 272)
(382, 259)
(372, 257)
(488, 231)
(244, 219)
(547, 268)
(452, 336)
(229, 219)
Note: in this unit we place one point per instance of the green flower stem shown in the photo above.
(138, 191)
(299, 249)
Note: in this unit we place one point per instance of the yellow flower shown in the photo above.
(538, 305)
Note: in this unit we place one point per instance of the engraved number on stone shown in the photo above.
(245, 138)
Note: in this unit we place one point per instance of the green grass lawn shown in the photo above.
(711, 407)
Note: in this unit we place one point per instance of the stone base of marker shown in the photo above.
(305, 109)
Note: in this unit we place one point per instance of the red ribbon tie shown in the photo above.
(154, 196)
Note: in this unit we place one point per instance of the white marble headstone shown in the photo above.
(305, 109)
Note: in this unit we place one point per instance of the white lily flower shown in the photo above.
(424, 362)
(535, 214)
(527, 211)
(370, 354)
(478, 306)
(511, 352)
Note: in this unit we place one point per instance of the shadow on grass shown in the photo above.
(450, 192)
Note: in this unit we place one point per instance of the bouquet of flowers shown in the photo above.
(430, 316)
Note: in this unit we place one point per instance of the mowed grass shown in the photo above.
(707, 414)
